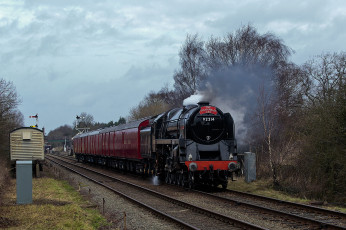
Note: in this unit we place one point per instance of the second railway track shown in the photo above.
(311, 212)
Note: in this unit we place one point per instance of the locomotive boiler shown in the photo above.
(186, 146)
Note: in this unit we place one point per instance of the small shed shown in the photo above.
(27, 143)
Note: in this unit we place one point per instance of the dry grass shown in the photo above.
(56, 205)
(264, 187)
(4, 177)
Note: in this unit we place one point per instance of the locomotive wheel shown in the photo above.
(224, 186)
(170, 178)
(177, 179)
(191, 181)
(174, 178)
(179, 176)
(183, 180)
(191, 185)
(167, 178)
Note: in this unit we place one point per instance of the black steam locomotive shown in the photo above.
(186, 146)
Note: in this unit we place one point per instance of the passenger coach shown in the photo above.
(117, 146)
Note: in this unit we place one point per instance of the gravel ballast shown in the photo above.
(116, 209)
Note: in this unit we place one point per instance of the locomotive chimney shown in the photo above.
(203, 103)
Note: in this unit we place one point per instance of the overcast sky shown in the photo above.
(102, 57)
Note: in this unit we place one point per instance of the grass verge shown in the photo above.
(56, 205)
(264, 188)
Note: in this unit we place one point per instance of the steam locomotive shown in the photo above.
(186, 146)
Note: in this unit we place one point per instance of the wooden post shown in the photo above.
(103, 206)
(37, 170)
(124, 220)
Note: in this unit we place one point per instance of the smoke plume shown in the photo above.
(234, 89)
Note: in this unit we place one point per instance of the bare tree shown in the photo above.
(192, 60)
(326, 75)
(247, 47)
(266, 119)
(172, 98)
(302, 127)
(322, 125)
(10, 116)
(8, 101)
(120, 121)
(60, 133)
(152, 104)
(275, 137)
(16, 120)
(84, 120)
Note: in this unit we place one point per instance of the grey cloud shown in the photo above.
(155, 74)
(161, 40)
(103, 57)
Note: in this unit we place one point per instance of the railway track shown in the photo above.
(287, 214)
(303, 215)
(185, 214)
(325, 216)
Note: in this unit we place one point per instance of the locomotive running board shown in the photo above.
(167, 141)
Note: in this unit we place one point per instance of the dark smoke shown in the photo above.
(235, 89)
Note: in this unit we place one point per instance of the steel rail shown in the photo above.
(321, 224)
(181, 203)
(303, 206)
(186, 225)
(218, 216)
